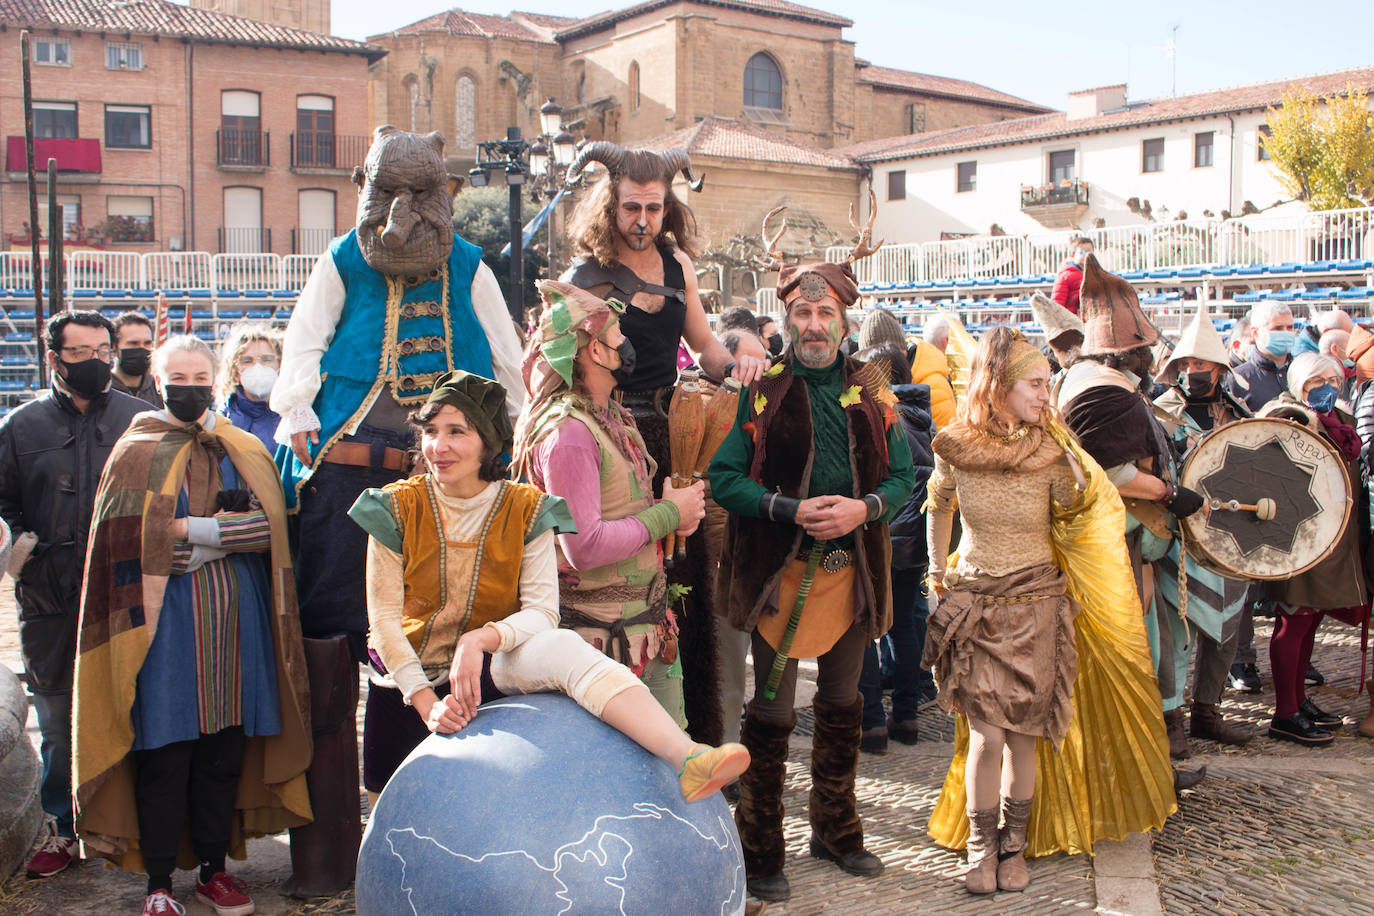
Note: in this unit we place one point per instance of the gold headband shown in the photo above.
(1024, 358)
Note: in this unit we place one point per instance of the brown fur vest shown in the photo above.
(756, 550)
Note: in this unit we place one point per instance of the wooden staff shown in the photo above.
(720, 419)
(686, 424)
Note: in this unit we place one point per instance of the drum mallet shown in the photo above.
(1264, 508)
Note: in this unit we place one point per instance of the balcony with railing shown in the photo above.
(326, 151)
(76, 157)
(239, 240)
(243, 148)
(1056, 206)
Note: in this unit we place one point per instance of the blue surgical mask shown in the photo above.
(1348, 363)
(1322, 398)
(1278, 343)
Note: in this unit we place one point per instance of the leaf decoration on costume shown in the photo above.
(773, 370)
(760, 402)
(850, 396)
(677, 591)
(752, 430)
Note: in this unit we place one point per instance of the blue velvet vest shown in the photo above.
(391, 332)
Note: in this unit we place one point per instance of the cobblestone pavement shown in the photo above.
(1274, 829)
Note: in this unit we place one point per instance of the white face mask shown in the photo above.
(258, 380)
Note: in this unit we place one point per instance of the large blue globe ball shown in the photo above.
(539, 807)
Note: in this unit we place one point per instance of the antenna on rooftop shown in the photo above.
(1171, 52)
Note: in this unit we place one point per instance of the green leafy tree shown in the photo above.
(1323, 148)
(482, 216)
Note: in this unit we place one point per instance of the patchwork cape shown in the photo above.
(128, 562)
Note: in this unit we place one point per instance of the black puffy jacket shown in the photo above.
(908, 526)
(51, 458)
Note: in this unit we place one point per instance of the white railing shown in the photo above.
(247, 271)
(103, 270)
(295, 270)
(766, 301)
(177, 270)
(1300, 238)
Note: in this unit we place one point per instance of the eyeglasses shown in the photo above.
(266, 359)
(81, 354)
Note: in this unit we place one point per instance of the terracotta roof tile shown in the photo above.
(727, 139)
(1056, 124)
(161, 17)
(942, 85)
(479, 25)
(781, 8)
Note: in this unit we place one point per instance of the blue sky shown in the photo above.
(1038, 51)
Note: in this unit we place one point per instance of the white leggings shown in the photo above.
(560, 660)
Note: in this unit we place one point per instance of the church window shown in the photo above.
(762, 83)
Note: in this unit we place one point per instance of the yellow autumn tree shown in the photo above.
(1323, 148)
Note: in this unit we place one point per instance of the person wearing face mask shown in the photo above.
(1336, 587)
(52, 451)
(574, 441)
(1102, 397)
(1198, 403)
(249, 362)
(191, 709)
(772, 337)
(133, 350)
(1263, 375)
(1069, 281)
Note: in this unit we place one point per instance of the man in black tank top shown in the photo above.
(634, 241)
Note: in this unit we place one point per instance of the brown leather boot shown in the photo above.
(1012, 874)
(1366, 728)
(1178, 738)
(1206, 722)
(983, 843)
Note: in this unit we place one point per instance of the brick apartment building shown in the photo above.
(177, 128)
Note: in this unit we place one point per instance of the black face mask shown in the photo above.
(87, 378)
(1196, 384)
(188, 402)
(774, 344)
(134, 360)
(627, 362)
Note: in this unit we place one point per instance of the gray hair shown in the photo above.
(1306, 365)
(936, 331)
(1334, 320)
(1266, 309)
(181, 343)
(1241, 329)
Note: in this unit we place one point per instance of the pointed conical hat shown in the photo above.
(1063, 329)
(1199, 340)
(1110, 309)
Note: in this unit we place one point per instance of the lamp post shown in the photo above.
(538, 165)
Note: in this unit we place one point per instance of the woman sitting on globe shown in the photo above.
(462, 597)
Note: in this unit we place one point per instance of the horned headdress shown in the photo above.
(613, 156)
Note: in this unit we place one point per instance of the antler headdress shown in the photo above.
(612, 156)
(816, 280)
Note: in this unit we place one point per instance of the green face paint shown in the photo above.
(835, 331)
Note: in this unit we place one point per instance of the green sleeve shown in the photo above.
(901, 472)
(662, 519)
(553, 514)
(731, 485)
(372, 512)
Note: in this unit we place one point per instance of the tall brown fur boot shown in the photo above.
(837, 834)
(1366, 728)
(758, 816)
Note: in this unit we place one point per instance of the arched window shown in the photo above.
(465, 114)
(634, 85)
(762, 83)
(412, 87)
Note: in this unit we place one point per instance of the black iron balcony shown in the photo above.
(244, 241)
(326, 150)
(1056, 206)
(243, 147)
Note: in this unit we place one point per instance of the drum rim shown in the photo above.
(1194, 545)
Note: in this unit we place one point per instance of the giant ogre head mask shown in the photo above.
(405, 203)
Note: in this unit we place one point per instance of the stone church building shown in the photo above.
(758, 91)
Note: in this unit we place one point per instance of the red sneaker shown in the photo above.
(162, 903)
(226, 894)
(54, 854)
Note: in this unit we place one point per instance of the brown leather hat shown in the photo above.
(1113, 321)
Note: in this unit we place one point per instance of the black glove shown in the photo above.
(1183, 502)
(233, 501)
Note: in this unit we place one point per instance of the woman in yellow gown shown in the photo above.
(1038, 642)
